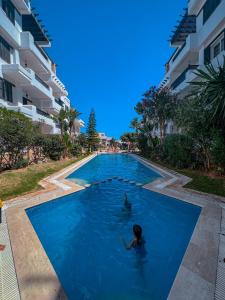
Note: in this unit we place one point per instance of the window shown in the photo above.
(1, 89)
(217, 46)
(208, 9)
(216, 50)
(9, 9)
(4, 50)
(223, 44)
(6, 90)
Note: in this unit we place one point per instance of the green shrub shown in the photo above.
(16, 133)
(177, 150)
(76, 149)
(22, 163)
(218, 152)
(53, 147)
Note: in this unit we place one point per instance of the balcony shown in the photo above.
(9, 29)
(57, 86)
(182, 82)
(66, 101)
(186, 26)
(23, 6)
(80, 122)
(16, 74)
(53, 106)
(37, 87)
(213, 26)
(30, 23)
(194, 6)
(187, 54)
(33, 55)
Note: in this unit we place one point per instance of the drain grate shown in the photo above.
(220, 280)
(8, 281)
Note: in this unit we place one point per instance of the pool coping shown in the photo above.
(196, 275)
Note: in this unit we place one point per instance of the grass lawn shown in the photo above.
(201, 181)
(19, 182)
(205, 182)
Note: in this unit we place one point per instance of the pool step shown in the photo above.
(110, 179)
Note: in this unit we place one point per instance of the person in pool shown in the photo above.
(138, 242)
(127, 204)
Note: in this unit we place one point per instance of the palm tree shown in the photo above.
(61, 120)
(129, 138)
(71, 115)
(212, 89)
(135, 124)
(157, 106)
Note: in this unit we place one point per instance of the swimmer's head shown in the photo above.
(137, 230)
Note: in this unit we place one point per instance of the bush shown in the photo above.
(22, 163)
(218, 152)
(16, 133)
(177, 150)
(76, 149)
(53, 147)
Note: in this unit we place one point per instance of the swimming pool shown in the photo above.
(81, 236)
(109, 165)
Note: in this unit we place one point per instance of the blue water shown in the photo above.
(110, 165)
(81, 234)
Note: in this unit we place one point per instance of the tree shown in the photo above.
(16, 132)
(92, 135)
(130, 139)
(53, 147)
(71, 115)
(82, 140)
(157, 107)
(61, 119)
(135, 124)
(212, 89)
(193, 119)
(113, 143)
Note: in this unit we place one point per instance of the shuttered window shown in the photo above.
(209, 8)
(6, 90)
(9, 9)
(4, 50)
(207, 55)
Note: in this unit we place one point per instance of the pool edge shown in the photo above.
(211, 212)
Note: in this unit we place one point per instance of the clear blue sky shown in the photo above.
(109, 52)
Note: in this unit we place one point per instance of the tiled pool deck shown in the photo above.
(26, 272)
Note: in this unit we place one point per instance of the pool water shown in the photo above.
(81, 234)
(110, 165)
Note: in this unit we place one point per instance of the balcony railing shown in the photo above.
(42, 52)
(43, 113)
(59, 102)
(182, 77)
(41, 81)
(178, 52)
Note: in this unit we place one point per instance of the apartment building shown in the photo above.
(198, 39)
(104, 140)
(28, 80)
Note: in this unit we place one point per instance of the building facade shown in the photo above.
(104, 140)
(198, 39)
(28, 80)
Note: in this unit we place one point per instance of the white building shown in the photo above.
(104, 140)
(28, 80)
(78, 124)
(198, 39)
